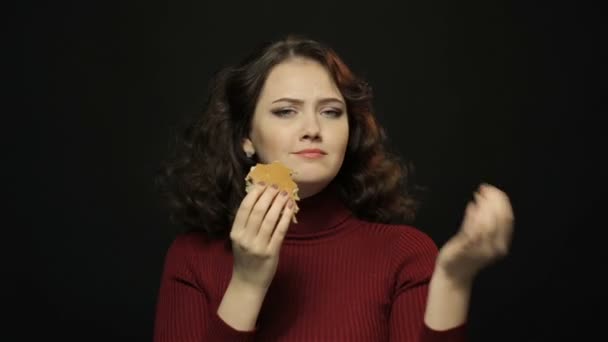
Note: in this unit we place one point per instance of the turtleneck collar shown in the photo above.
(319, 215)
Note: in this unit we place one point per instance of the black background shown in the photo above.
(500, 92)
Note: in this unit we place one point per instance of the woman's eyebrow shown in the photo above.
(298, 101)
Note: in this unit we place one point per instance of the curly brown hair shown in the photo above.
(203, 177)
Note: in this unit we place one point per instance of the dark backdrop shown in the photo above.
(500, 92)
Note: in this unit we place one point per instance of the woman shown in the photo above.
(345, 271)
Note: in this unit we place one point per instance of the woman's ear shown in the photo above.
(248, 147)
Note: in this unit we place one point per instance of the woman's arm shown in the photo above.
(183, 309)
(184, 312)
(433, 290)
(484, 237)
(241, 305)
(417, 256)
(448, 301)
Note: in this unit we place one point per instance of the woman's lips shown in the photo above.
(310, 155)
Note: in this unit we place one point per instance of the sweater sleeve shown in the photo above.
(416, 254)
(183, 312)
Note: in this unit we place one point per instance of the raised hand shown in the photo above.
(484, 235)
(257, 233)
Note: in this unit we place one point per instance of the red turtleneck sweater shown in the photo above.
(339, 279)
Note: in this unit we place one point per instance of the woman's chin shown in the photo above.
(308, 188)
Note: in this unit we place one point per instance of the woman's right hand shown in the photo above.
(257, 234)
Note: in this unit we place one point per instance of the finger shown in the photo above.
(280, 231)
(490, 224)
(486, 211)
(470, 218)
(494, 201)
(246, 207)
(503, 224)
(494, 244)
(504, 218)
(487, 227)
(271, 218)
(504, 237)
(499, 200)
(254, 221)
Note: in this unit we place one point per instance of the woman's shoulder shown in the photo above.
(406, 237)
(409, 250)
(194, 243)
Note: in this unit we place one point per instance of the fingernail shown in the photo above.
(290, 204)
(262, 183)
(283, 193)
(274, 186)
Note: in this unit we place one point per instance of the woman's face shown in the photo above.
(300, 107)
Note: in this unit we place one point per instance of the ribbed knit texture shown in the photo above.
(339, 279)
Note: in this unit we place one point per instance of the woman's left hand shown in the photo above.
(484, 235)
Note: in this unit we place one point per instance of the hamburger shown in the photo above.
(275, 173)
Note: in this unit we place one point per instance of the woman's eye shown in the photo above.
(282, 112)
(286, 112)
(334, 113)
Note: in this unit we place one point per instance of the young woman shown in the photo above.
(346, 271)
